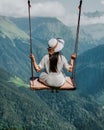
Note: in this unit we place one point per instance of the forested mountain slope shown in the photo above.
(21, 108)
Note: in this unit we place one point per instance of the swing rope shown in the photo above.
(29, 6)
(76, 41)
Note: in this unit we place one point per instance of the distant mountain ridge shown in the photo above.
(94, 14)
(14, 47)
(10, 30)
(91, 70)
(82, 109)
(17, 53)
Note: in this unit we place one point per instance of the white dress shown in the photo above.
(54, 79)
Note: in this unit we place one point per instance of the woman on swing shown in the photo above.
(53, 63)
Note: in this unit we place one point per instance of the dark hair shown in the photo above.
(53, 60)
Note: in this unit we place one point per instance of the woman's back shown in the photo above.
(53, 63)
(62, 63)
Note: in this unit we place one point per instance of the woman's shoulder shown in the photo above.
(46, 56)
(62, 56)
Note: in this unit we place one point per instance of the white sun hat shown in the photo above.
(56, 43)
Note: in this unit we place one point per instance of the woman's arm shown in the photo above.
(73, 57)
(36, 67)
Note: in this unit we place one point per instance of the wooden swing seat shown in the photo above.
(35, 84)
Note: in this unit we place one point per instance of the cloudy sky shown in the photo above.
(65, 10)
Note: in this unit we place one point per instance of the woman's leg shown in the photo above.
(43, 78)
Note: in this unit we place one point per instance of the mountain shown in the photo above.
(10, 30)
(95, 30)
(21, 108)
(94, 14)
(89, 36)
(45, 28)
(14, 47)
(91, 70)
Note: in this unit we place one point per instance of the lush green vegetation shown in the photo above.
(18, 82)
(23, 109)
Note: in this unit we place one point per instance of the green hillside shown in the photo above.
(91, 70)
(10, 30)
(21, 108)
(14, 42)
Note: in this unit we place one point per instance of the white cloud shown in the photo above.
(12, 7)
(72, 19)
(45, 8)
(69, 19)
(102, 2)
(19, 8)
(50, 9)
(95, 20)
